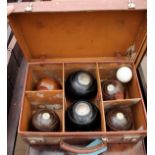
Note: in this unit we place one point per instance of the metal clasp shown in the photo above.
(36, 140)
(104, 139)
(29, 8)
(131, 4)
(130, 53)
(131, 138)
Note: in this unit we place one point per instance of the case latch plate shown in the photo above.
(29, 8)
(131, 138)
(131, 4)
(35, 140)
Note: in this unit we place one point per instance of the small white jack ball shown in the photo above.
(124, 74)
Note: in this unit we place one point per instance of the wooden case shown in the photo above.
(59, 37)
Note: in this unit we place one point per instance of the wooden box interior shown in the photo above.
(37, 72)
(108, 72)
(80, 34)
(34, 99)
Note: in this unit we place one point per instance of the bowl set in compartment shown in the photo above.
(81, 114)
(81, 89)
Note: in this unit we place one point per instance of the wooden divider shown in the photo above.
(133, 99)
(45, 99)
(92, 67)
(58, 96)
(103, 123)
(51, 100)
(63, 87)
(121, 102)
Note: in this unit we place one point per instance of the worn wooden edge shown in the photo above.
(81, 60)
(19, 37)
(138, 85)
(23, 97)
(102, 110)
(9, 34)
(142, 84)
(121, 102)
(43, 91)
(10, 48)
(141, 54)
(78, 5)
(14, 111)
(63, 100)
(138, 149)
(82, 134)
(140, 40)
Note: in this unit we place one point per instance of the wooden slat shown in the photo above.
(79, 5)
(9, 94)
(142, 53)
(141, 40)
(14, 58)
(10, 48)
(14, 111)
(12, 70)
(121, 102)
(18, 53)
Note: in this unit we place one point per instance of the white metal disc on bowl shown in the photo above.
(82, 109)
(120, 116)
(111, 89)
(84, 79)
(45, 116)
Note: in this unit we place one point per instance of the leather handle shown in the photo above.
(81, 150)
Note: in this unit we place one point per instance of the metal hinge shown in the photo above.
(130, 52)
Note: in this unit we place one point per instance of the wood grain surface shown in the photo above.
(67, 34)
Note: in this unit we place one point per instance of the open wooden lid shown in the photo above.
(49, 33)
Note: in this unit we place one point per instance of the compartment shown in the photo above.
(58, 101)
(34, 101)
(108, 71)
(37, 72)
(101, 121)
(134, 107)
(92, 68)
(70, 68)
